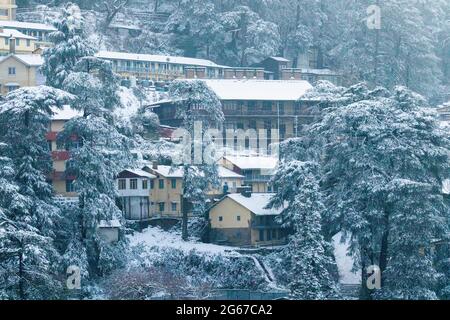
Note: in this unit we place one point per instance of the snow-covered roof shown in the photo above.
(171, 172)
(168, 171)
(141, 173)
(124, 26)
(30, 59)
(270, 90)
(4, 32)
(248, 163)
(66, 113)
(27, 25)
(111, 55)
(280, 59)
(446, 187)
(256, 203)
(109, 224)
(226, 173)
(324, 72)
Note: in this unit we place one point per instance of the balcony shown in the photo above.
(60, 155)
(265, 224)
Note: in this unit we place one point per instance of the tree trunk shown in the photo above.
(21, 273)
(184, 231)
(384, 248)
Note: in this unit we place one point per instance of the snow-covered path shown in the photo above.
(156, 237)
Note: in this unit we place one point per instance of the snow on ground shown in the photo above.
(345, 262)
(156, 237)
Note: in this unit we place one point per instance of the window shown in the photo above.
(50, 145)
(274, 234)
(69, 186)
(28, 42)
(269, 235)
(152, 184)
(12, 88)
(122, 184)
(6, 42)
(144, 184)
(161, 183)
(17, 42)
(174, 206)
(220, 218)
(161, 207)
(267, 106)
(173, 183)
(4, 12)
(238, 218)
(261, 235)
(133, 184)
(11, 71)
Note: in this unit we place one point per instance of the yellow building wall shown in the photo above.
(25, 76)
(60, 188)
(24, 46)
(57, 125)
(59, 165)
(229, 210)
(167, 195)
(10, 6)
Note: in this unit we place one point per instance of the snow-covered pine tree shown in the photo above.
(98, 153)
(379, 152)
(69, 46)
(299, 196)
(197, 103)
(28, 216)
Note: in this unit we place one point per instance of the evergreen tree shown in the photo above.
(68, 46)
(379, 153)
(197, 105)
(28, 216)
(299, 195)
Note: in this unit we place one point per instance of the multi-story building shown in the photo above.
(134, 193)
(166, 190)
(39, 31)
(8, 10)
(62, 182)
(20, 70)
(444, 112)
(13, 41)
(165, 68)
(257, 170)
(158, 67)
(241, 219)
(279, 68)
(254, 104)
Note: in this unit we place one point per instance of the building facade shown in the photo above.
(134, 194)
(256, 170)
(166, 190)
(242, 220)
(8, 10)
(39, 31)
(18, 70)
(62, 181)
(275, 106)
(15, 42)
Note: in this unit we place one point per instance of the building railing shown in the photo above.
(265, 225)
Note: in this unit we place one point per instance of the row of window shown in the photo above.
(162, 206)
(28, 42)
(133, 184)
(270, 234)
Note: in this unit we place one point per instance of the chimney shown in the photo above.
(155, 165)
(12, 45)
(245, 191)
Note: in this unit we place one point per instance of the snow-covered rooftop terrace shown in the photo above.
(112, 55)
(259, 90)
